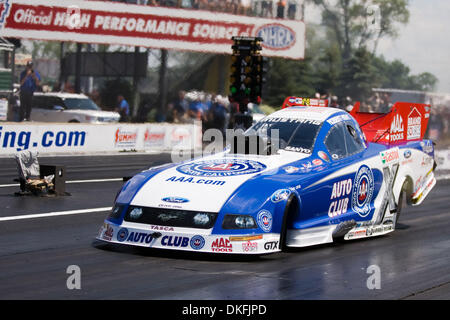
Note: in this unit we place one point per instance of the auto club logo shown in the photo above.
(265, 220)
(197, 242)
(221, 168)
(122, 234)
(363, 189)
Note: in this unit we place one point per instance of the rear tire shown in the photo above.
(401, 200)
(74, 121)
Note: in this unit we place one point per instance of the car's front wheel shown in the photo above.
(290, 212)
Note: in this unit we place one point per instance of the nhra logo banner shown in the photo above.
(149, 26)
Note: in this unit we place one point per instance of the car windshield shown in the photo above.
(80, 104)
(256, 109)
(293, 134)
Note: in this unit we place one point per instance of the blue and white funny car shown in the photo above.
(331, 175)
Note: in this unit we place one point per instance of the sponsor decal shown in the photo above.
(4, 11)
(363, 189)
(375, 230)
(106, 232)
(317, 162)
(271, 245)
(250, 246)
(291, 169)
(298, 149)
(407, 161)
(197, 242)
(426, 161)
(339, 118)
(427, 146)
(246, 238)
(414, 125)
(323, 156)
(265, 220)
(276, 36)
(125, 138)
(221, 245)
(307, 165)
(390, 156)
(151, 27)
(357, 233)
(139, 237)
(44, 138)
(221, 168)
(197, 181)
(175, 241)
(293, 120)
(175, 200)
(407, 154)
(280, 195)
(122, 235)
(341, 191)
(180, 135)
(397, 128)
(152, 139)
(161, 228)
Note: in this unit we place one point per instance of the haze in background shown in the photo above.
(423, 45)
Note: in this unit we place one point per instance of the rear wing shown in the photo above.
(405, 122)
(303, 102)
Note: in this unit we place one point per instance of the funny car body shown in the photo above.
(331, 175)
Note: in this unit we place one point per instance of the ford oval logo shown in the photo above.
(276, 36)
(175, 200)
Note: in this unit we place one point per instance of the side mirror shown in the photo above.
(58, 108)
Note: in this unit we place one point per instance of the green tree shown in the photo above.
(328, 69)
(359, 76)
(288, 78)
(352, 21)
(425, 81)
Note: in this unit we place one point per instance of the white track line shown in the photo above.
(69, 182)
(54, 214)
